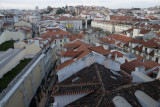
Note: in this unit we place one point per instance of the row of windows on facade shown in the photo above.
(64, 36)
(60, 40)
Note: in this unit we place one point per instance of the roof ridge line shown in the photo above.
(79, 84)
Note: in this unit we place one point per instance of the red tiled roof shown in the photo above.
(116, 53)
(56, 31)
(78, 36)
(25, 30)
(81, 42)
(129, 30)
(66, 63)
(119, 44)
(82, 48)
(139, 48)
(69, 53)
(155, 40)
(7, 24)
(77, 43)
(156, 26)
(130, 66)
(107, 40)
(144, 31)
(150, 44)
(137, 41)
(151, 53)
(120, 38)
(71, 45)
(140, 20)
(100, 49)
(139, 57)
(121, 18)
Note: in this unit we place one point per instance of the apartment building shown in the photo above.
(70, 22)
(94, 71)
(146, 48)
(1, 21)
(112, 27)
(26, 86)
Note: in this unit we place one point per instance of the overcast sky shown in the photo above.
(30, 4)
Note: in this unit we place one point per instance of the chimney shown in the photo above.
(115, 56)
(136, 32)
(140, 68)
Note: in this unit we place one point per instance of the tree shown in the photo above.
(49, 8)
(60, 11)
(74, 13)
(66, 7)
(89, 22)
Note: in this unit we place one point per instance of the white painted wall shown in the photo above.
(76, 66)
(7, 35)
(63, 59)
(112, 64)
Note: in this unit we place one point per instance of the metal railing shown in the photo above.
(15, 80)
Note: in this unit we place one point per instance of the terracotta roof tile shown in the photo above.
(78, 36)
(137, 41)
(71, 45)
(66, 63)
(139, 48)
(150, 44)
(156, 26)
(130, 66)
(100, 49)
(144, 31)
(70, 53)
(120, 38)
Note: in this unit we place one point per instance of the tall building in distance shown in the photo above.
(37, 9)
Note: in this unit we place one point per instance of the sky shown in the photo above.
(113, 4)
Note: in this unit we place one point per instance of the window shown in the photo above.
(146, 50)
(64, 40)
(156, 59)
(61, 45)
(60, 40)
(55, 42)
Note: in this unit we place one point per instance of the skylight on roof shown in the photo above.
(75, 79)
(113, 77)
